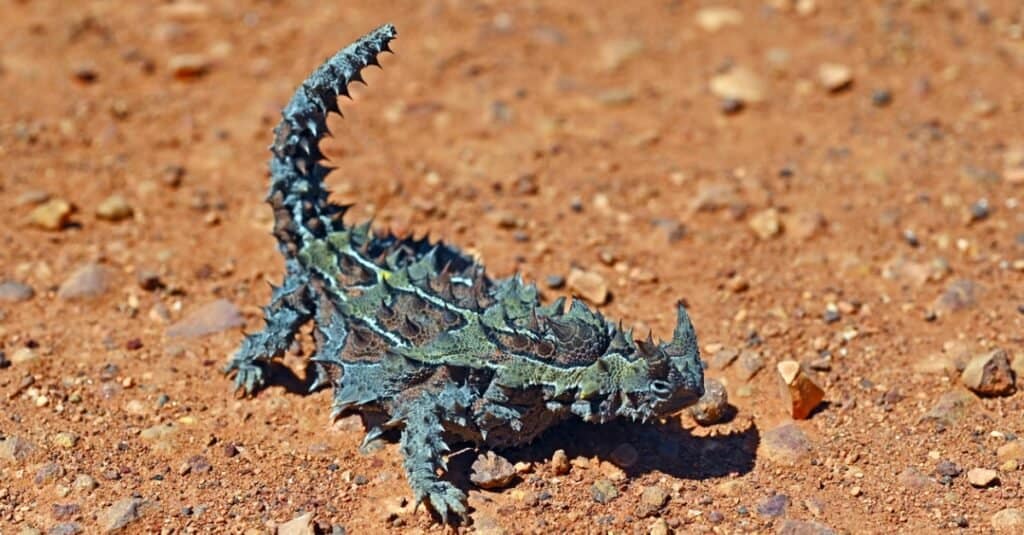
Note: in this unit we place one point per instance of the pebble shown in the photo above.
(48, 473)
(1013, 164)
(604, 491)
(625, 455)
(188, 66)
(659, 527)
(978, 211)
(65, 439)
(1009, 520)
(66, 511)
(990, 374)
(84, 483)
(804, 527)
(119, 515)
(88, 281)
(804, 224)
(961, 294)
(24, 355)
(723, 358)
(740, 84)
(158, 431)
(555, 282)
(947, 468)
(982, 477)
(53, 214)
(713, 406)
(766, 224)
(560, 463)
(951, 407)
(773, 506)
(492, 471)
(652, 499)
(32, 197)
(786, 444)
(803, 395)
(749, 363)
(300, 525)
(1011, 451)
(835, 77)
(881, 98)
(714, 18)
(64, 528)
(912, 478)
(114, 208)
(211, 318)
(15, 292)
(15, 449)
(589, 285)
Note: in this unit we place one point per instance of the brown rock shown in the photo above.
(652, 500)
(187, 66)
(982, 477)
(88, 281)
(560, 463)
(912, 478)
(15, 449)
(990, 374)
(1013, 164)
(53, 214)
(713, 406)
(951, 407)
(214, 317)
(714, 18)
(300, 525)
(804, 527)
(802, 395)
(750, 362)
(492, 471)
(835, 77)
(1011, 451)
(766, 224)
(804, 225)
(120, 515)
(740, 84)
(961, 294)
(1008, 520)
(114, 208)
(786, 444)
(589, 285)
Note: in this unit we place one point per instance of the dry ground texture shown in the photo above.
(836, 183)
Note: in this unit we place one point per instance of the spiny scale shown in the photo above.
(416, 332)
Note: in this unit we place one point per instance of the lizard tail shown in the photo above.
(297, 191)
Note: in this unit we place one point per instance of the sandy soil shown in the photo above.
(870, 230)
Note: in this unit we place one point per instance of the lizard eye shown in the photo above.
(661, 389)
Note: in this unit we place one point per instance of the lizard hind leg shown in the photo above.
(423, 449)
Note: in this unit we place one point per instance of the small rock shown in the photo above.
(158, 432)
(119, 515)
(555, 282)
(32, 197)
(713, 406)
(589, 285)
(65, 439)
(881, 98)
(723, 358)
(951, 407)
(804, 527)
(739, 84)
(604, 491)
(53, 214)
(66, 511)
(1008, 520)
(560, 463)
(48, 473)
(715, 18)
(617, 52)
(835, 77)
(773, 506)
(749, 363)
(114, 208)
(652, 500)
(982, 477)
(990, 374)
(211, 318)
(15, 449)
(15, 292)
(960, 295)
(625, 455)
(786, 444)
(948, 469)
(188, 66)
(24, 355)
(659, 527)
(491, 471)
(800, 392)
(766, 224)
(1011, 451)
(84, 483)
(912, 478)
(88, 281)
(805, 224)
(64, 528)
(300, 525)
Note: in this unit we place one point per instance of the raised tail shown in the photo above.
(297, 191)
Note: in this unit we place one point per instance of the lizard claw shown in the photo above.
(249, 376)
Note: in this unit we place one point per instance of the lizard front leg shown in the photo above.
(288, 310)
(423, 446)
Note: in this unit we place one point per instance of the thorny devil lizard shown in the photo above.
(415, 335)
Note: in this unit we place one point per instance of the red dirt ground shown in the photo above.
(602, 105)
